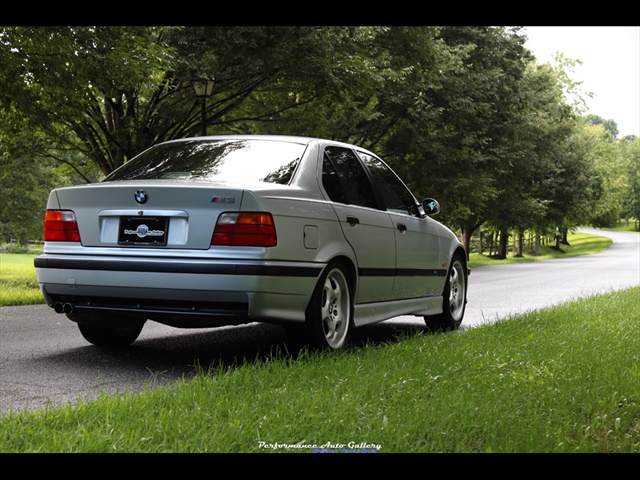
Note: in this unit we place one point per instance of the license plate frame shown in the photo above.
(143, 231)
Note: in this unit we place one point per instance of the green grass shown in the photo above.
(560, 380)
(624, 226)
(579, 244)
(18, 284)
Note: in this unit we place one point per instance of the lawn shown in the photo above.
(579, 244)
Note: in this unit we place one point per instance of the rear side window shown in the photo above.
(344, 179)
(237, 161)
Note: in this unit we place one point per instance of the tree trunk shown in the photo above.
(502, 248)
(466, 231)
(520, 245)
(465, 239)
(558, 241)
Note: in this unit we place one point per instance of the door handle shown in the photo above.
(402, 227)
(352, 220)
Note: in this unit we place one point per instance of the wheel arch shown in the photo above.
(459, 250)
(350, 270)
(352, 277)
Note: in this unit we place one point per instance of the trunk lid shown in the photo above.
(170, 215)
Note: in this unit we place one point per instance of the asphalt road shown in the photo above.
(44, 359)
(502, 290)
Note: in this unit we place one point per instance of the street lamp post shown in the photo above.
(203, 88)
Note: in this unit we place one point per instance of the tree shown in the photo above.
(460, 129)
(631, 151)
(548, 179)
(559, 175)
(373, 80)
(25, 184)
(111, 92)
(611, 177)
(609, 125)
(93, 90)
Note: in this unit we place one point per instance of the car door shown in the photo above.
(418, 272)
(368, 229)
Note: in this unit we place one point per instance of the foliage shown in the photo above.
(612, 176)
(92, 89)
(110, 92)
(609, 125)
(25, 189)
(631, 202)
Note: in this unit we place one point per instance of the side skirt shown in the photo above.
(368, 313)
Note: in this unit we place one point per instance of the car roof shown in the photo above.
(283, 138)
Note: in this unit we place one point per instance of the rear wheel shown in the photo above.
(329, 312)
(454, 298)
(108, 336)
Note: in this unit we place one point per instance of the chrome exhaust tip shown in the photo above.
(65, 308)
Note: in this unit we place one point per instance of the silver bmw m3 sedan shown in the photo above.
(309, 233)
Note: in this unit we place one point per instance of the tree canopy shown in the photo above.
(463, 113)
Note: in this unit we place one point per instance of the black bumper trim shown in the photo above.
(159, 266)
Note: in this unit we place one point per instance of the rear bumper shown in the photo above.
(181, 292)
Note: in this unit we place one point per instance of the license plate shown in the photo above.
(145, 231)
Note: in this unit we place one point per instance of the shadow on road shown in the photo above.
(174, 356)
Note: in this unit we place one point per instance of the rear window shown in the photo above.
(225, 160)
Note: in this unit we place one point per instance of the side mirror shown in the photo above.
(431, 206)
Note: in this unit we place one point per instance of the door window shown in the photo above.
(396, 196)
(344, 179)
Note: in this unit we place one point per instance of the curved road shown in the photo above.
(502, 290)
(44, 360)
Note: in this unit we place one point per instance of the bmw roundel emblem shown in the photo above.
(141, 197)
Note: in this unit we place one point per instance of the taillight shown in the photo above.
(245, 229)
(61, 226)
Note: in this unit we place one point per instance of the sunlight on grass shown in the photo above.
(579, 244)
(18, 284)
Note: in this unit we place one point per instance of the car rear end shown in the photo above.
(184, 252)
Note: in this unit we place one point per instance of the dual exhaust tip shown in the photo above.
(65, 308)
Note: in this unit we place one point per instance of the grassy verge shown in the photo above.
(18, 284)
(579, 244)
(559, 380)
(626, 226)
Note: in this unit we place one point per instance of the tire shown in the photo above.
(110, 337)
(328, 316)
(454, 298)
